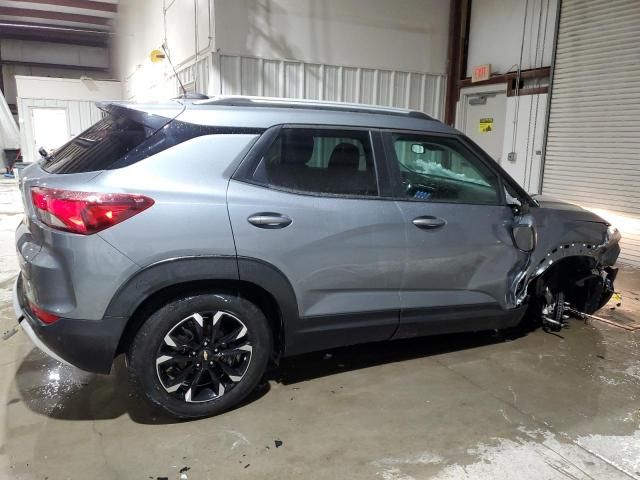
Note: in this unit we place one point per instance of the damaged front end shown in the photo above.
(570, 267)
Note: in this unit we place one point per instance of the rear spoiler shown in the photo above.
(153, 116)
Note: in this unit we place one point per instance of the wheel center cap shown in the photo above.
(206, 355)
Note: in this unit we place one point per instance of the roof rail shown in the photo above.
(191, 96)
(273, 102)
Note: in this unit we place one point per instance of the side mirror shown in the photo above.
(524, 237)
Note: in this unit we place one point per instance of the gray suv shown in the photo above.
(204, 239)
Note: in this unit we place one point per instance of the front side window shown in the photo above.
(338, 162)
(442, 169)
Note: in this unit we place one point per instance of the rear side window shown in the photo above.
(118, 141)
(323, 161)
(99, 146)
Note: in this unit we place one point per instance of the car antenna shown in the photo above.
(166, 52)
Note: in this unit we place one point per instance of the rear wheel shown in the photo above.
(200, 355)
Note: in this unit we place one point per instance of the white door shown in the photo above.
(484, 116)
(50, 128)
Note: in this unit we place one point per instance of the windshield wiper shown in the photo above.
(44, 154)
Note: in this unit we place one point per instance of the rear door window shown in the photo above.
(321, 161)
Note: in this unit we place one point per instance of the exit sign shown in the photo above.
(481, 73)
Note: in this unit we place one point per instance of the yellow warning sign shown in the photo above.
(486, 125)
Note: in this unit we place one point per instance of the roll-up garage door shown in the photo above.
(593, 143)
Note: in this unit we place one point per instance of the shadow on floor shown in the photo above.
(58, 391)
(329, 362)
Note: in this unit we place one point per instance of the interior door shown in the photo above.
(460, 255)
(310, 208)
(484, 117)
(50, 128)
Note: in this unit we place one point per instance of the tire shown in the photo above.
(171, 366)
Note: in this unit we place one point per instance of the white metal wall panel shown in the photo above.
(593, 143)
(195, 76)
(287, 78)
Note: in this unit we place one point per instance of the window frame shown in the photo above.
(248, 165)
(395, 179)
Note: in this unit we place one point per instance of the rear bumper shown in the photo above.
(86, 344)
(26, 326)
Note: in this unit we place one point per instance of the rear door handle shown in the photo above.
(428, 222)
(269, 220)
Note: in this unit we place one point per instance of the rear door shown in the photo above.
(310, 206)
(460, 258)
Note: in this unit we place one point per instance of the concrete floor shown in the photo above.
(483, 406)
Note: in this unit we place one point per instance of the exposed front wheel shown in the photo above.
(200, 355)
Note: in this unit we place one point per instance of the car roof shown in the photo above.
(265, 112)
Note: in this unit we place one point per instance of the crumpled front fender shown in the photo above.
(560, 235)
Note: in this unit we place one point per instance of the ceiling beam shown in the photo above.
(66, 17)
(84, 4)
(53, 34)
(55, 65)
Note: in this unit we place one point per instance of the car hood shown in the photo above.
(567, 210)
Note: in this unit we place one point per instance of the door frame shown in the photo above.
(32, 126)
(247, 165)
(393, 171)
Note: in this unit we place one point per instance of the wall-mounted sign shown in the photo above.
(481, 73)
(486, 125)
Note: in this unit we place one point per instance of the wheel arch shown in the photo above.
(578, 277)
(257, 281)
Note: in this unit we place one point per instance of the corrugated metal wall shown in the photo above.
(196, 75)
(81, 115)
(593, 145)
(237, 75)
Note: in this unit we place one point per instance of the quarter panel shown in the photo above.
(72, 275)
(188, 185)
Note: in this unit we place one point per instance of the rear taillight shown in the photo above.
(85, 213)
(43, 315)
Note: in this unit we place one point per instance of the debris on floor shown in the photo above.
(9, 333)
(616, 312)
(622, 310)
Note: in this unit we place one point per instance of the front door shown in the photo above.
(310, 207)
(460, 257)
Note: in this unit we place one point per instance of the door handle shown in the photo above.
(269, 220)
(428, 222)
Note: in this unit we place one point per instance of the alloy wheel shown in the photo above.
(204, 356)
